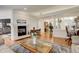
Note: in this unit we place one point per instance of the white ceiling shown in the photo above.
(73, 11)
(30, 8)
(35, 8)
(52, 10)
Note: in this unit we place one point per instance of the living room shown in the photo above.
(39, 28)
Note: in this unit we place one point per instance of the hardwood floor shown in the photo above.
(57, 40)
(52, 39)
(43, 36)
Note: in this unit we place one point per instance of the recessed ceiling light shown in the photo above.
(25, 8)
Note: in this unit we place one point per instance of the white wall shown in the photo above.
(18, 15)
(41, 24)
(33, 23)
(5, 14)
(65, 21)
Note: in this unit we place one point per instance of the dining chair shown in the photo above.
(78, 32)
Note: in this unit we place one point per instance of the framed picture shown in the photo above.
(4, 28)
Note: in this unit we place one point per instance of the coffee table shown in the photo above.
(41, 46)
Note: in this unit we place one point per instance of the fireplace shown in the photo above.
(21, 30)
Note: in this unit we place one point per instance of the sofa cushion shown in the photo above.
(60, 49)
(1, 40)
(5, 49)
(59, 33)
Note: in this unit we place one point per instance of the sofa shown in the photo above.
(75, 44)
(3, 47)
(14, 48)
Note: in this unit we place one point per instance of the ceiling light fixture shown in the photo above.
(25, 8)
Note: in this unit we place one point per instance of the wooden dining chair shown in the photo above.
(78, 32)
(68, 34)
